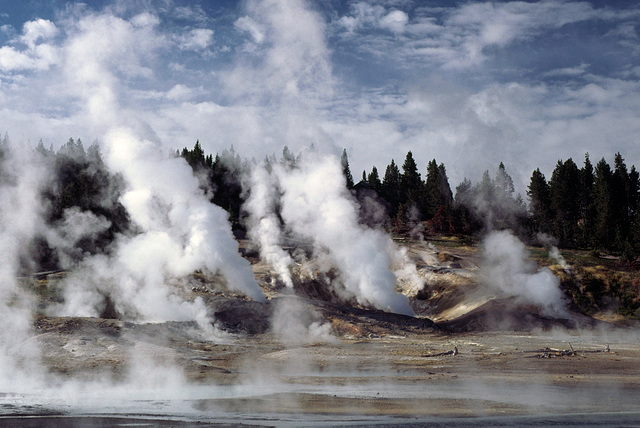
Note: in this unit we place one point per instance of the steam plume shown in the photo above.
(317, 206)
(264, 225)
(550, 244)
(294, 323)
(20, 219)
(180, 231)
(508, 270)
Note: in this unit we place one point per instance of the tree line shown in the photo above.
(583, 208)
(588, 207)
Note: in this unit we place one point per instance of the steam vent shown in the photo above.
(186, 239)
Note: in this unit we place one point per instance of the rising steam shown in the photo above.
(263, 223)
(20, 213)
(179, 232)
(316, 206)
(508, 270)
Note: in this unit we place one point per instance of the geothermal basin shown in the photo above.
(399, 378)
(301, 359)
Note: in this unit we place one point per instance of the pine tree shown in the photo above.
(539, 201)
(374, 180)
(42, 151)
(620, 201)
(463, 192)
(433, 189)
(288, 160)
(587, 208)
(602, 203)
(503, 182)
(634, 208)
(412, 188)
(634, 192)
(463, 220)
(507, 210)
(346, 171)
(195, 157)
(391, 187)
(445, 188)
(565, 188)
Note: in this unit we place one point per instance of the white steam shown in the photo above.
(508, 270)
(316, 206)
(20, 219)
(550, 244)
(164, 198)
(179, 232)
(74, 226)
(263, 224)
(176, 229)
(294, 323)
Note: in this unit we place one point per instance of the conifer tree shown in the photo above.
(539, 201)
(391, 187)
(412, 188)
(288, 159)
(445, 187)
(587, 208)
(620, 192)
(346, 171)
(462, 218)
(565, 188)
(433, 188)
(602, 203)
(374, 180)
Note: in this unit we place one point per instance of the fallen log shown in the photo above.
(453, 352)
(554, 352)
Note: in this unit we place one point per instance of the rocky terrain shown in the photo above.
(305, 356)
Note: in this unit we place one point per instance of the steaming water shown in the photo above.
(181, 406)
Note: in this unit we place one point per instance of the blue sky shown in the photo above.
(470, 84)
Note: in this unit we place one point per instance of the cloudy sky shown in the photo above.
(470, 84)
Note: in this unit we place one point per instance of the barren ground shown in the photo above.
(480, 359)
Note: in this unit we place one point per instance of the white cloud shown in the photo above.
(362, 15)
(366, 16)
(458, 37)
(295, 65)
(180, 92)
(395, 21)
(247, 24)
(197, 39)
(40, 29)
(11, 59)
(193, 13)
(38, 55)
(145, 20)
(568, 71)
(470, 116)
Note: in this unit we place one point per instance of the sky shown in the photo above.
(470, 84)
